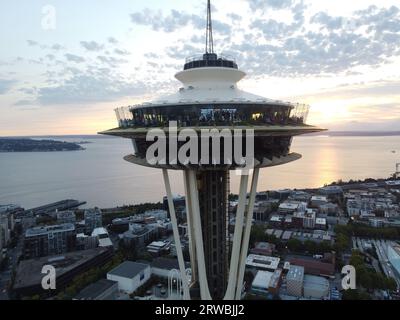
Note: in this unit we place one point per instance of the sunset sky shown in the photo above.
(65, 65)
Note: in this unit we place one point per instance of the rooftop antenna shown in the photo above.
(209, 31)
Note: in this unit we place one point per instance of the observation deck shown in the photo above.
(210, 60)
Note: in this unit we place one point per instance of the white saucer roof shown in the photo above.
(209, 85)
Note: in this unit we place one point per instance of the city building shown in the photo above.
(276, 221)
(315, 287)
(317, 201)
(158, 248)
(85, 242)
(259, 262)
(330, 209)
(101, 290)
(263, 248)
(289, 207)
(49, 240)
(211, 99)
(267, 283)
(66, 217)
(93, 219)
(261, 281)
(130, 276)
(304, 219)
(300, 196)
(331, 191)
(139, 235)
(28, 279)
(5, 230)
(320, 223)
(162, 267)
(314, 267)
(294, 281)
(103, 237)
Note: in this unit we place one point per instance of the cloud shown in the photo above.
(274, 4)
(23, 103)
(112, 40)
(92, 45)
(175, 20)
(296, 49)
(6, 85)
(99, 85)
(57, 47)
(111, 61)
(121, 52)
(331, 23)
(32, 43)
(74, 58)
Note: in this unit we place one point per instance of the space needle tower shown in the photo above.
(210, 101)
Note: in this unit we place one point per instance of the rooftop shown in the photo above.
(29, 271)
(259, 261)
(315, 282)
(128, 269)
(36, 231)
(296, 273)
(262, 279)
(166, 263)
(92, 291)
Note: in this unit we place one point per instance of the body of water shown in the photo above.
(101, 177)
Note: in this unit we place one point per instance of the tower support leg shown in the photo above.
(177, 240)
(247, 231)
(199, 244)
(190, 226)
(237, 238)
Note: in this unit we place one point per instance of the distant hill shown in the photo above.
(357, 133)
(31, 145)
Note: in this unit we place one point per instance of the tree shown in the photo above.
(295, 245)
(257, 234)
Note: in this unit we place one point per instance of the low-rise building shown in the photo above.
(162, 267)
(139, 235)
(157, 248)
(93, 219)
(66, 217)
(315, 287)
(330, 209)
(103, 237)
(266, 283)
(101, 290)
(320, 223)
(263, 248)
(85, 242)
(317, 201)
(294, 280)
(289, 207)
(259, 262)
(130, 276)
(49, 240)
(28, 279)
(314, 267)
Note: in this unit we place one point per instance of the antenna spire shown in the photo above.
(209, 31)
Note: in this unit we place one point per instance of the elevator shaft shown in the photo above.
(213, 200)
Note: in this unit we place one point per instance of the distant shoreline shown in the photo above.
(327, 133)
(14, 145)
